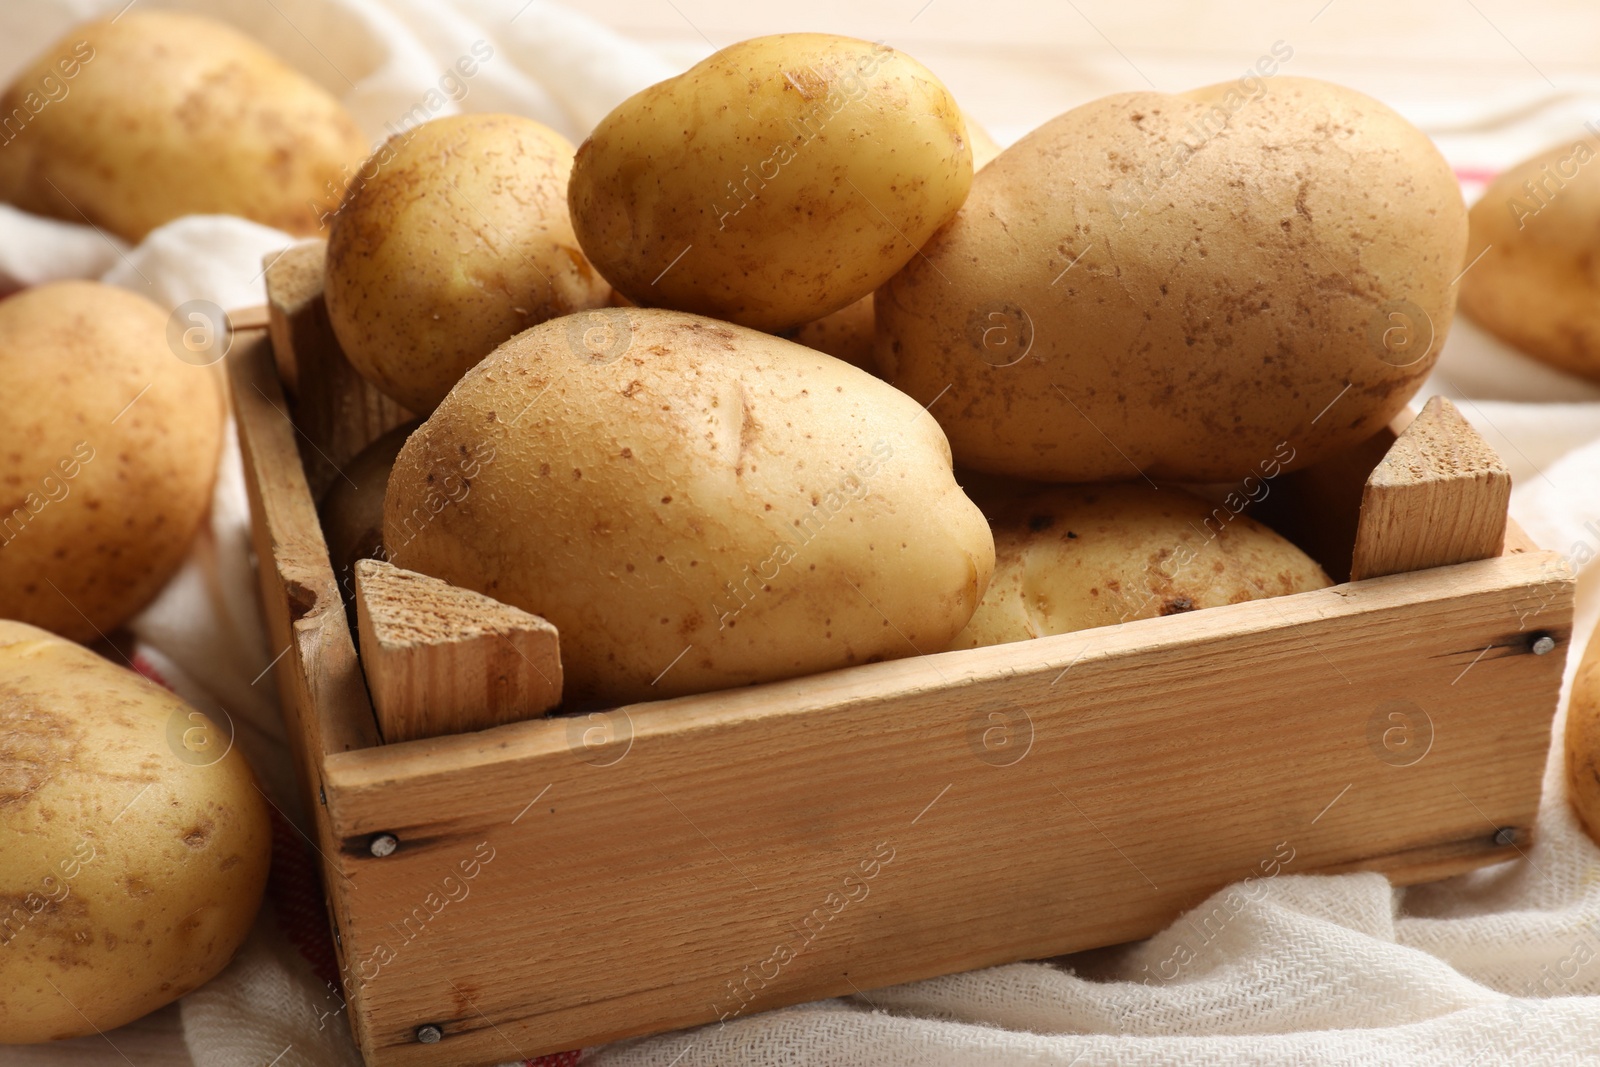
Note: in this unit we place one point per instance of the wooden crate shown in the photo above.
(572, 880)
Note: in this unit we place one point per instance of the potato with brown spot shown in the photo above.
(455, 237)
(779, 180)
(1075, 557)
(1535, 277)
(134, 843)
(1175, 284)
(701, 506)
(108, 451)
(136, 121)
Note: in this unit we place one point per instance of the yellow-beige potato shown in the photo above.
(1176, 284)
(1537, 283)
(138, 121)
(848, 333)
(1074, 557)
(133, 842)
(108, 451)
(693, 504)
(459, 239)
(776, 182)
(1583, 739)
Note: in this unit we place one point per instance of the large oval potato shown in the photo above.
(135, 121)
(1535, 280)
(108, 451)
(773, 183)
(1178, 284)
(460, 239)
(1074, 557)
(695, 505)
(133, 842)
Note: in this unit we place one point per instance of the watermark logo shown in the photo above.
(1400, 733)
(600, 738)
(1003, 336)
(196, 739)
(1401, 334)
(198, 332)
(600, 336)
(1000, 735)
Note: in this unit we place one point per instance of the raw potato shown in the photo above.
(1113, 299)
(135, 122)
(1075, 557)
(133, 842)
(774, 183)
(108, 450)
(1583, 739)
(459, 240)
(1536, 285)
(352, 509)
(694, 505)
(847, 334)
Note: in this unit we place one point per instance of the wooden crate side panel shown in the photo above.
(320, 687)
(788, 842)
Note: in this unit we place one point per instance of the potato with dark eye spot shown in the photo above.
(134, 843)
(1176, 284)
(454, 237)
(134, 121)
(773, 183)
(694, 507)
(1074, 557)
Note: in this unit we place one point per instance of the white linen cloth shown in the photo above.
(1501, 966)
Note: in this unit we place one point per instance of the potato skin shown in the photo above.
(100, 493)
(1075, 557)
(849, 333)
(459, 239)
(1224, 299)
(1582, 740)
(129, 874)
(170, 115)
(695, 496)
(1535, 286)
(777, 181)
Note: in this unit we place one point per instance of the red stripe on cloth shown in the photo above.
(294, 886)
(146, 668)
(1476, 174)
(555, 1059)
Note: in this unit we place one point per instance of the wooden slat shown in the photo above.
(1317, 507)
(1438, 497)
(339, 413)
(1395, 724)
(320, 687)
(444, 660)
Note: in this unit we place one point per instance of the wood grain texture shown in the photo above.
(444, 660)
(1439, 496)
(337, 411)
(1032, 799)
(320, 688)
